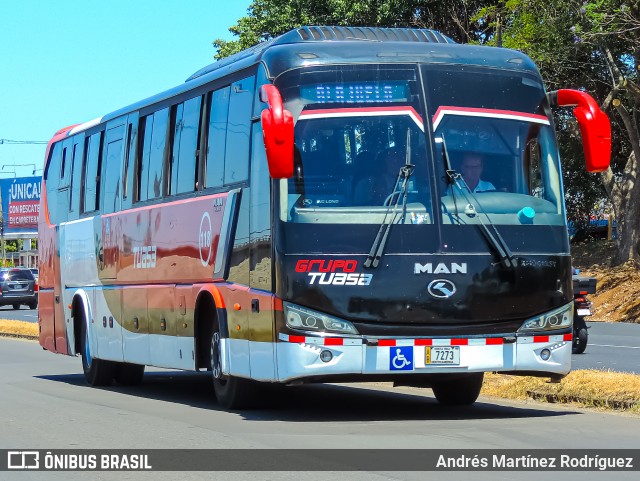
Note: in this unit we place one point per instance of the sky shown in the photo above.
(65, 62)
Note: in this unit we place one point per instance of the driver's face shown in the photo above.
(472, 169)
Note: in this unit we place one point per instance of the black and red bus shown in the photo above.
(336, 204)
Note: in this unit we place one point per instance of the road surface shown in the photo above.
(612, 346)
(46, 404)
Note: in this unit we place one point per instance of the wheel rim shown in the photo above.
(87, 349)
(216, 363)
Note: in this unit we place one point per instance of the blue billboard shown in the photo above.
(20, 204)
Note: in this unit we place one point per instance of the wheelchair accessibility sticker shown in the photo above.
(401, 358)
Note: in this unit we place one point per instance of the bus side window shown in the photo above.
(184, 165)
(142, 169)
(216, 144)
(91, 173)
(157, 153)
(76, 176)
(112, 168)
(52, 181)
(236, 165)
(151, 161)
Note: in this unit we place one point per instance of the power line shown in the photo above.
(22, 142)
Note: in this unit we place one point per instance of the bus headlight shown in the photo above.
(560, 318)
(301, 318)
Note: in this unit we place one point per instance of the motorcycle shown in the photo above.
(582, 307)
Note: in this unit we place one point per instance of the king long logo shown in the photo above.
(333, 272)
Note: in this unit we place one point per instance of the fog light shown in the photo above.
(326, 356)
(545, 354)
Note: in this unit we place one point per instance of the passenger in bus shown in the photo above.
(380, 179)
(471, 168)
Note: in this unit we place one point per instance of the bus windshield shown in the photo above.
(492, 129)
(356, 128)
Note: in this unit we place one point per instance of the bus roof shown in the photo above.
(307, 46)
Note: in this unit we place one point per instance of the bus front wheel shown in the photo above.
(231, 392)
(97, 372)
(461, 391)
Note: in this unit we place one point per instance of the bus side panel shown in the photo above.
(45, 317)
(185, 307)
(262, 336)
(237, 298)
(47, 280)
(170, 243)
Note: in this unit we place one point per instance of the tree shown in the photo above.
(592, 45)
(269, 18)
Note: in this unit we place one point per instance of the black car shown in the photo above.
(17, 287)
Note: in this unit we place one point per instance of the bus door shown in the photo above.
(59, 212)
(261, 322)
(108, 301)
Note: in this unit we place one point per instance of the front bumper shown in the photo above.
(299, 357)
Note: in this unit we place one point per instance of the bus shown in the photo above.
(302, 212)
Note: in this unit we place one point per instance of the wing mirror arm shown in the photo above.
(595, 127)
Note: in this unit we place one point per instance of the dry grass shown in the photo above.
(589, 388)
(18, 328)
(618, 293)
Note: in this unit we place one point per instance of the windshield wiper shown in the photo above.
(494, 238)
(377, 249)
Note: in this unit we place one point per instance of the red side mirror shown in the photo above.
(595, 127)
(277, 131)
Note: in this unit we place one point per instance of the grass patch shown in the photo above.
(18, 328)
(588, 388)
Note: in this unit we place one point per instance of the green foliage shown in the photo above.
(269, 18)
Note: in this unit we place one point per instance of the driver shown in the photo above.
(471, 168)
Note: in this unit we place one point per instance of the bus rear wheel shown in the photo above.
(97, 372)
(461, 391)
(231, 392)
(127, 374)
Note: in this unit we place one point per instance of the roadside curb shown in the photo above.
(19, 336)
(551, 398)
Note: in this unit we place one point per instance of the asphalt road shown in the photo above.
(22, 314)
(611, 346)
(45, 404)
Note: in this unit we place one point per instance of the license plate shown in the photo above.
(449, 355)
(584, 312)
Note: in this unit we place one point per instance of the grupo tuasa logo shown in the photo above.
(338, 272)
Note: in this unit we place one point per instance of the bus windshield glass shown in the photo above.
(492, 129)
(356, 128)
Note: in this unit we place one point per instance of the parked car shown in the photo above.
(17, 287)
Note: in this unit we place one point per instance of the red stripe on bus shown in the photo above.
(568, 337)
(540, 338)
(356, 110)
(424, 342)
(494, 341)
(444, 109)
(387, 342)
(297, 339)
(333, 341)
(459, 342)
